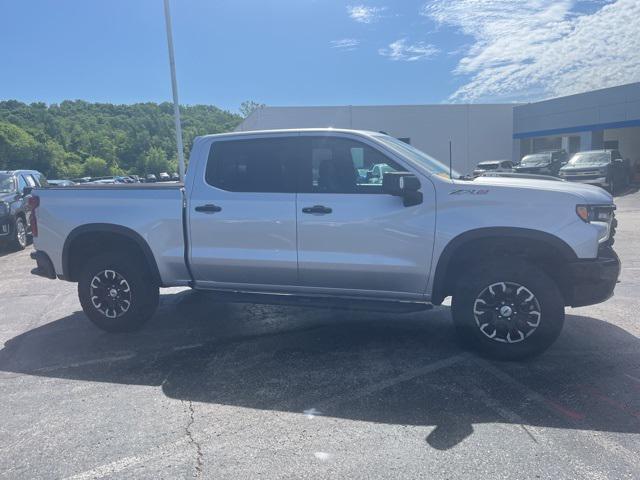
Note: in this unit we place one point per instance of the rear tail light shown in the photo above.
(34, 202)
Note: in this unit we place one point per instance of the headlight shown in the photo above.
(595, 213)
(4, 208)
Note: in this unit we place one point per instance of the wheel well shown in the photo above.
(84, 245)
(547, 256)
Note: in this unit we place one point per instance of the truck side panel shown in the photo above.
(155, 214)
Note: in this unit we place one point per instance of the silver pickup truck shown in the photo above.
(302, 216)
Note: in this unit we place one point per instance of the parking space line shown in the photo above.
(539, 435)
(116, 358)
(110, 469)
(610, 446)
(332, 402)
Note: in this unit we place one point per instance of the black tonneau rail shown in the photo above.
(531, 176)
(118, 186)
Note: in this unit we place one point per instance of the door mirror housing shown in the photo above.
(403, 184)
(27, 191)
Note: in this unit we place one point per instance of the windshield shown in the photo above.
(487, 166)
(430, 163)
(7, 184)
(589, 158)
(536, 159)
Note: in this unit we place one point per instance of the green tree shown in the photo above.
(96, 167)
(249, 106)
(59, 139)
(16, 146)
(155, 161)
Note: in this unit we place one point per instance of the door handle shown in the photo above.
(319, 209)
(208, 208)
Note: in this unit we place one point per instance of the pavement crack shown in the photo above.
(192, 441)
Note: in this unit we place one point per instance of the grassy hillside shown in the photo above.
(76, 138)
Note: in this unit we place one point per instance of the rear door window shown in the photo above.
(254, 165)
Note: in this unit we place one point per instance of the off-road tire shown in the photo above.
(137, 289)
(472, 290)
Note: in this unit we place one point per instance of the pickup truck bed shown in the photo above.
(152, 212)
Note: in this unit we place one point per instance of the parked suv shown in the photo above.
(493, 166)
(543, 163)
(605, 168)
(15, 212)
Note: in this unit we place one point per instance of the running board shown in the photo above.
(317, 301)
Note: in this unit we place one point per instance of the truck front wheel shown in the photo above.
(508, 309)
(116, 292)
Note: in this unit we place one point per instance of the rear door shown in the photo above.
(351, 235)
(242, 214)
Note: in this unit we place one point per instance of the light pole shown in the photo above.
(174, 88)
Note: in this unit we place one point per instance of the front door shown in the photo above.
(242, 215)
(351, 235)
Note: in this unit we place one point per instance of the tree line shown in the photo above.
(77, 138)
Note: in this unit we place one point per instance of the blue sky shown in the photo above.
(316, 52)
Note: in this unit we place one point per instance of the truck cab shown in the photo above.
(542, 163)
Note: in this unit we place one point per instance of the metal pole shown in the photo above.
(174, 88)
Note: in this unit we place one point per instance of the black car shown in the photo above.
(605, 168)
(543, 163)
(15, 212)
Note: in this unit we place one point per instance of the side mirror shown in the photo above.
(403, 184)
(27, 191)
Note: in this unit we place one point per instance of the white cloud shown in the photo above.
(346, 44)
(364, 14)
(401, 50)
(541, 48)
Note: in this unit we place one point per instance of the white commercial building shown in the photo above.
(476, 132)
(608, 118)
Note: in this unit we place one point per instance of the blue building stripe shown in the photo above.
(581, 128)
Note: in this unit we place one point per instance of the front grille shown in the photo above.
(591, 176)
(585, 173)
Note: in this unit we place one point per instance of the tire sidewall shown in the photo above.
(16, 239)
(144, 295)
(516, 271)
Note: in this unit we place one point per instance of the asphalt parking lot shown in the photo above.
(209, 389)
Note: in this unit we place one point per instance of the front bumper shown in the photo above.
(6, 227)
(44, 264)
(592, 281)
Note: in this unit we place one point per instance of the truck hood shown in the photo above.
(588, 193)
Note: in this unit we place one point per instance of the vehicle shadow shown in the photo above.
(5, 250)
(394, 369)
(631, 189)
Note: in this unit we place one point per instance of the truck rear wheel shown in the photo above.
(508, 309)
(116, 293)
